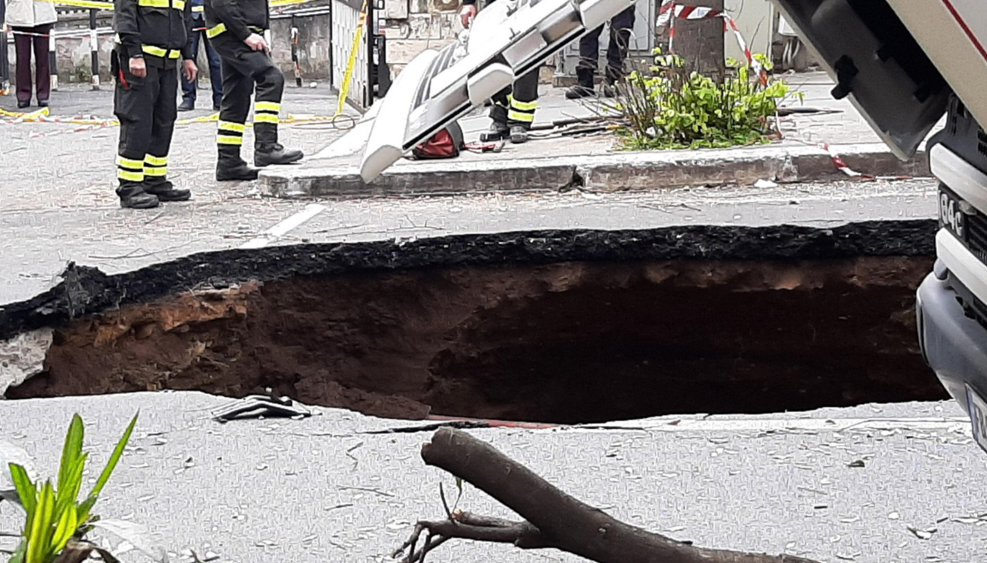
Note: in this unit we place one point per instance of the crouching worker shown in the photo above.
(236, 29)
(152, 36)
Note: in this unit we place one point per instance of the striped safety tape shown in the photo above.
(62, 34)
(670, 11)
(841, 164)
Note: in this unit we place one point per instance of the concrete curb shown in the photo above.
(607, 173)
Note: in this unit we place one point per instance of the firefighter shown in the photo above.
(151, 37)
(236, 29)
(513, 110)
(621, 28)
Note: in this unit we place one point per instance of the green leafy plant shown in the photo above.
(671, 109)
(55, 516)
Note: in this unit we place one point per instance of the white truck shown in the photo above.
(902, 63)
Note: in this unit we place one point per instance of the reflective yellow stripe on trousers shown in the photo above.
(129, 169)
(155, 165)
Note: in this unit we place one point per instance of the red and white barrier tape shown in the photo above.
(841, 164)
(670, 11)
(62, 34)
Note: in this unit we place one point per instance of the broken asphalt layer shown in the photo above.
(833, 485)
(84, 290)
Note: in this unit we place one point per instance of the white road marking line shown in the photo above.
(286, 226)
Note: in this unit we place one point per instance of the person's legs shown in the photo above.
(162, 128)
(133, 105)
(234, 107)
(589, 54)
(267, 107)
(522, 104)
(215, 72)
(189, 86)
(43, 69)
(22, 50)
(621, 28)
(498, 118)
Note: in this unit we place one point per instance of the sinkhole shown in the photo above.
(567, 342)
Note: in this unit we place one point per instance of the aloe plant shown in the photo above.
(55, 514)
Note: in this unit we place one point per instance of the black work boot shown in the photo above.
(265, 155)
(164, 190)
(133, 196)
(519, 134)
(186, 105)
(498, 132)
(235, 170)
(578, 92)
(231, 168)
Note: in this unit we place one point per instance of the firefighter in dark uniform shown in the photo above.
(621, 28)
(513, 110)
(236, 29)
(152, 37)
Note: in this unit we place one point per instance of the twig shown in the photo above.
(442, 495)
(368, 490)
(349, 454)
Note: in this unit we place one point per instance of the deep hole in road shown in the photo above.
(565, 343)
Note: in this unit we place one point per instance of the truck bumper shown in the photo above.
(954, 345)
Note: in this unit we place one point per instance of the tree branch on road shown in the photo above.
(552, 518)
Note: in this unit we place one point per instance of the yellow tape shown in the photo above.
(25, 116)
(86, 4)
(344, 91)
(203, 119)
(40, 115)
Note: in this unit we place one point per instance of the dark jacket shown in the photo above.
(158, 30)
(238, 18)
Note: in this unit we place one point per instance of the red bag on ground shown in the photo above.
(447, 143)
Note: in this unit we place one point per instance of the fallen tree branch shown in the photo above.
(552, 518)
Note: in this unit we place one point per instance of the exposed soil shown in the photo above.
(570, 342)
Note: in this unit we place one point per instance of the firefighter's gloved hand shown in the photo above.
(137, 67)
(467, 13)
(191, 71)
(256, 42)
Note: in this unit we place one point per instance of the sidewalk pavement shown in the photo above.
(833, 485)
(593, 162)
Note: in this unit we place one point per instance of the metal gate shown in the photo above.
(346, 18)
